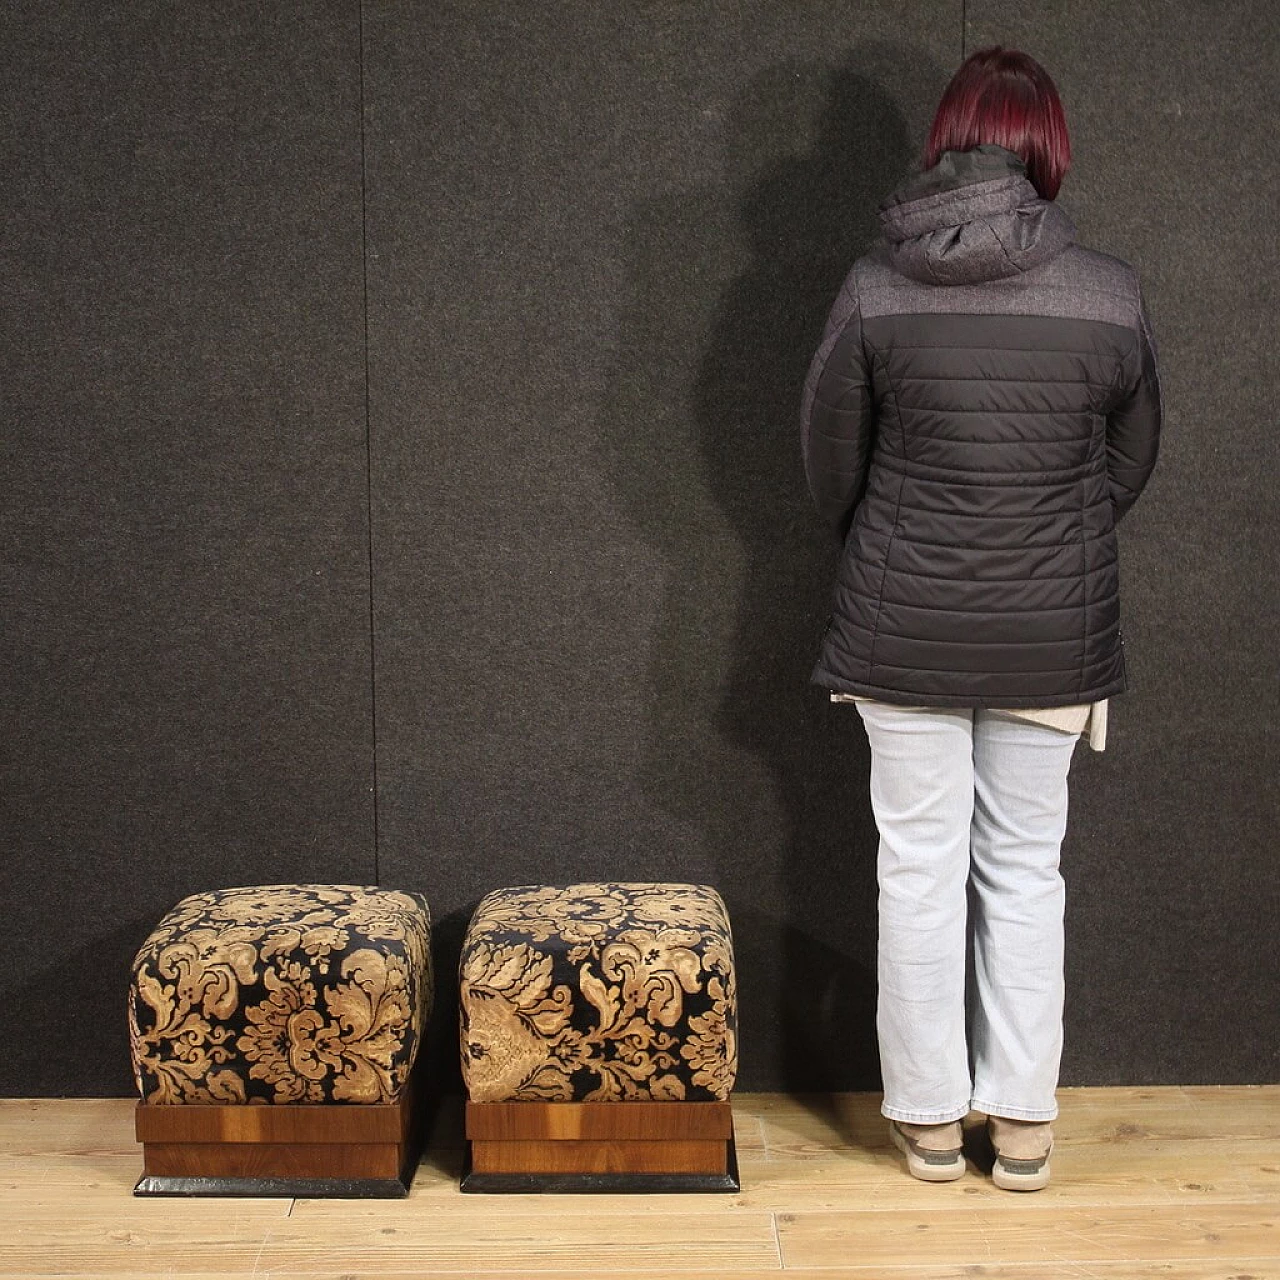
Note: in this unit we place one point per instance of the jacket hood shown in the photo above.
(974, 216)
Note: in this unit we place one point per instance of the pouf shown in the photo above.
(598, 1027)
(274, 1031)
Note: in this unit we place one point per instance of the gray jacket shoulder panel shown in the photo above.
(1079, 283)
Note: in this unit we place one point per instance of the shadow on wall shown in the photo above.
(729, 287)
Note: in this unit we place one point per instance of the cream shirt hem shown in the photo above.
(1087, 718)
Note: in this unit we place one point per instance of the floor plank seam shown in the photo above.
(266, 1235)
(777, 1242)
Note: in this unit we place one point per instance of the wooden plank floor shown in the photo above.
(1176, 1183)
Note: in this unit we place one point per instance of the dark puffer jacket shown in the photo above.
(982, 410)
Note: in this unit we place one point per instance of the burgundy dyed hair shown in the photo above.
(1004, 97)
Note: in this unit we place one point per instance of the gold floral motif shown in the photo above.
(338, 1019)
(514, 1017)
(371, 1015)
(276, 1026)
(712, 1050)
(637, 954)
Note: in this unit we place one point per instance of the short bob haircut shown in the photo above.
(1004, 97)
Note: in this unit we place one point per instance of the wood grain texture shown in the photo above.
(1218, 1269)
(273, 1159)
(1168, 1183)
(603, 1120)
(668, 1155)
(307, 1123)
(1019, 1232)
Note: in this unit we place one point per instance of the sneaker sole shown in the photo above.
(1012, 1180)
(922, 1169)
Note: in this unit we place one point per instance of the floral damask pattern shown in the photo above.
(599, 992)
(282, 994)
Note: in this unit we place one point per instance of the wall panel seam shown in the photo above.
(368, 455)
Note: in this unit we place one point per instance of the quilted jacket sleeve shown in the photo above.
(1133, 425)
(836, 416)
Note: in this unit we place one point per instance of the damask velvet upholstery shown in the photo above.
(294, 993)
(599, 992)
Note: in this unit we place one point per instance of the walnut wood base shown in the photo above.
(600, 1146)
(343, 1150)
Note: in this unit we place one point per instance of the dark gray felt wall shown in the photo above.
(185, 575)
(448, 448)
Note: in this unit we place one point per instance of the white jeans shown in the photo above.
(962, 793)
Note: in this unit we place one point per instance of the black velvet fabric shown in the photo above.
(298, 993)
(601, 992)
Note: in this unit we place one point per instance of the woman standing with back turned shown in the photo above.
(983, 409)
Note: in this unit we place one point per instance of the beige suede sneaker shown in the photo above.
(1022, 1150)
(933, 1151)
